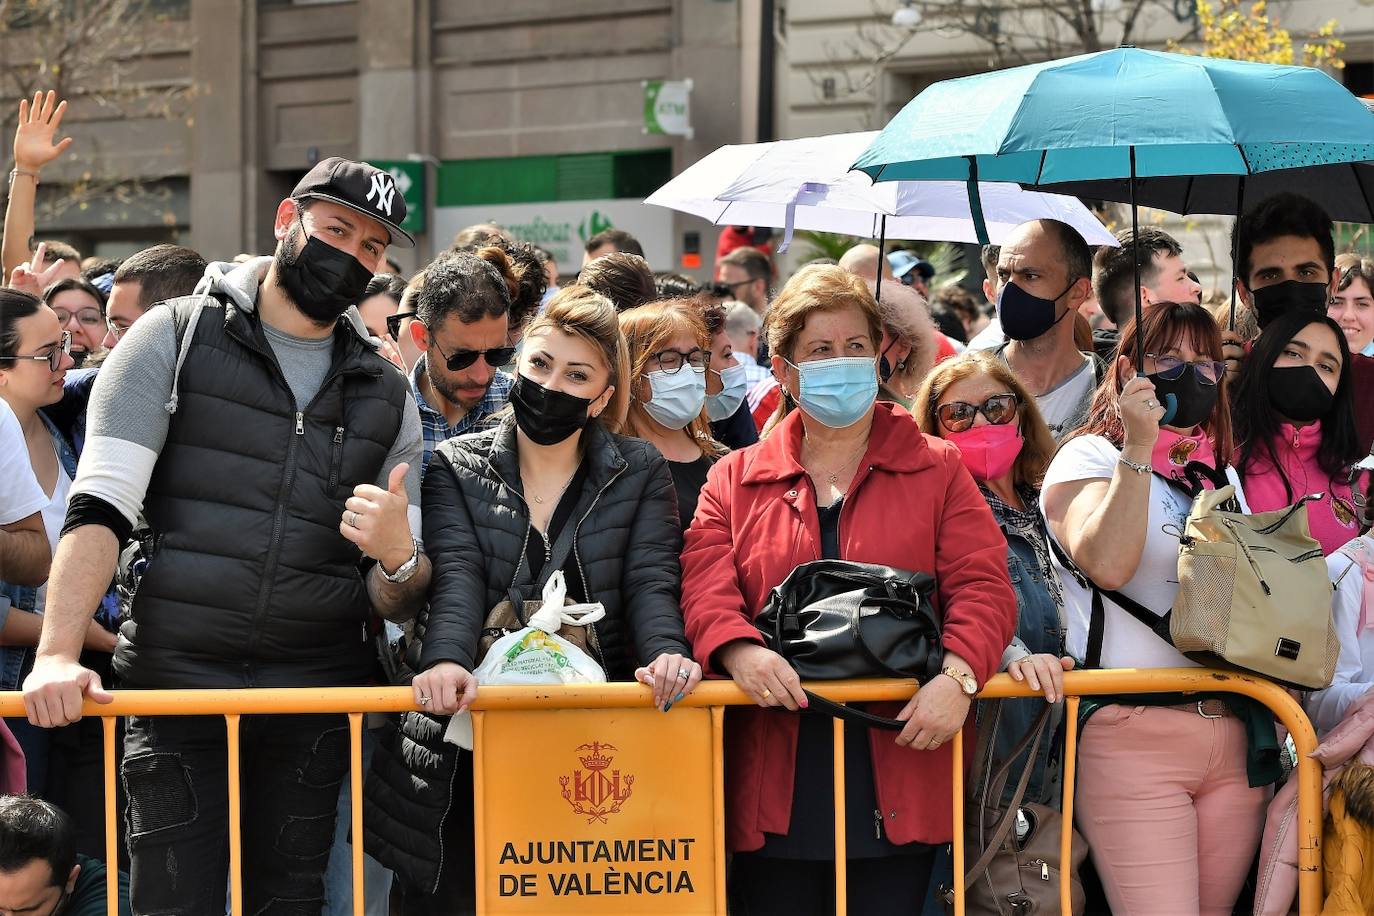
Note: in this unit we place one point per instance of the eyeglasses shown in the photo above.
(721, 288)
(90, 317)
(116, 330)
(957, 416)
(672, 360)
(496, 357)
(1209, 371)
(53, 358)
(393, 323)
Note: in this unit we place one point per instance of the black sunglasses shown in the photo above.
(496, 357)
(393, 323)
(957, 416)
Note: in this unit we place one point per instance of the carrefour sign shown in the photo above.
(563, 227)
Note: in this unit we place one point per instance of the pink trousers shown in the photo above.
(1163, 801)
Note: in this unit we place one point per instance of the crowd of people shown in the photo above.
(306, 469)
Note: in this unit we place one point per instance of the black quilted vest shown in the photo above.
(250, 582)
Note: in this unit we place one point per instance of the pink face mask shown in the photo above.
(1174, 450)
(988, 451)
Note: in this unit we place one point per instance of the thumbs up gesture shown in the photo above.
(378, 520)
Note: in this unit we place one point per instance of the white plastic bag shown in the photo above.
(536, 655)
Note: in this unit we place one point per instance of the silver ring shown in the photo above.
(1150, 404)
(682, 673)
(353, 522)
(424, 701)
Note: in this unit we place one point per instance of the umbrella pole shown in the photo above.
(882, 244)
(1135, 265)
(975, 202)
(1235, 249)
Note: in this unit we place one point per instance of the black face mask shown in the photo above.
(320, 279)
(1026, 316)
(1193, 400)
(1289, 296)
(1298, 393)
(547, 417)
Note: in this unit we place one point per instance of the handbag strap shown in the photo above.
(840, 711)
(1031, 739)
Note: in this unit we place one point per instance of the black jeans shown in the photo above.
(887, 886)
(176, 775)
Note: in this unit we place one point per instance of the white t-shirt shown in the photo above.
(1126, 642)
(1355, 665)
(54, 514)
(1066, 404)
(20, 494)
(990, 338)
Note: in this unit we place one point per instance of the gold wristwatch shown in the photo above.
(967, 682)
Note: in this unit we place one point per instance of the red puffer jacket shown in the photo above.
(912, 506)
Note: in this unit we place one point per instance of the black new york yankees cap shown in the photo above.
(360, 187)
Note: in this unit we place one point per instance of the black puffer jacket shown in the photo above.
(623, 535)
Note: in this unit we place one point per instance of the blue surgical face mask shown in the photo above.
(837, 392)
(676, 397)
(722, 405)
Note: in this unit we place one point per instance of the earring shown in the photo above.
(901, 365)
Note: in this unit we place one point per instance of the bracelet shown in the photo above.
(1134, 465)
(15, 173)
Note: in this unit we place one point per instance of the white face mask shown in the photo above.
(722, 406)
(676, 397)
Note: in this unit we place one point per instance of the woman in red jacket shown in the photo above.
(839, 478)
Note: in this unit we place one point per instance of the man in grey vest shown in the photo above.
(274, 454)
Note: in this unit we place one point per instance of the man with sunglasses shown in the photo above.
(461, 308)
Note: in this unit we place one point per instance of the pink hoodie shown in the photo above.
(1332, 524)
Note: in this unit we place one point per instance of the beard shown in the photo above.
(285, 262)
(450, 392)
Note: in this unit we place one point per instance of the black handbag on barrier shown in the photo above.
(837, 619)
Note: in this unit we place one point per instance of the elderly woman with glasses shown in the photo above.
(841, 477)
(975, 402)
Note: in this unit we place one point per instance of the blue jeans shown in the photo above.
(338, 877)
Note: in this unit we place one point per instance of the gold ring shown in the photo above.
(767, 693)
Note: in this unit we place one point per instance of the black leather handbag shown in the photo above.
(837, 619)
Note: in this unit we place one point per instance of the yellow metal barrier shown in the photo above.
(355, 701)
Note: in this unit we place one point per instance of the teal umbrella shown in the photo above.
(1117, 116)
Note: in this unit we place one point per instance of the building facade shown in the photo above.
(529, 113)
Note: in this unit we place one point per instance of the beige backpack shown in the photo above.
(1254, 593)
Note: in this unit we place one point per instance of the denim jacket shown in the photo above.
(15, 661)
(1039, 629)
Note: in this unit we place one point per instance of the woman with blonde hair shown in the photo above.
(551, 488)
(827, 484)
(669, 354)
(975, 402)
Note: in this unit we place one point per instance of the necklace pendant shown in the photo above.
(539, 499)
(834, 478)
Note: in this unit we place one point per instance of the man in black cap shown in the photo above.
(274, 454)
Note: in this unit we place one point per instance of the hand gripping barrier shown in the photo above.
(597, 791)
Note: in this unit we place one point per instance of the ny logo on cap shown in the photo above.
(384, 188)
